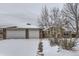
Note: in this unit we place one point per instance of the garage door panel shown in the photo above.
(33, 34)
(20, 34)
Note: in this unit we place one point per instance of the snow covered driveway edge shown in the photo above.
(18, 47)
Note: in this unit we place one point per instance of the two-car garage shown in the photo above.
(22, 33)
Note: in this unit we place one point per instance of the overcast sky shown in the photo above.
(22, 13)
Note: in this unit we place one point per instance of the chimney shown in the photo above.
(28, 24)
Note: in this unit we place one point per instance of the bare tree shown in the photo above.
(55, 15)
(71, 12)
(43, 20)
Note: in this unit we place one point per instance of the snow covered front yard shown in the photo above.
(29, 47)
(18, 47)
(55, 51)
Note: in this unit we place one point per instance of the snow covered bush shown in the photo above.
(68, 43)
(65, 43)
(54, 41)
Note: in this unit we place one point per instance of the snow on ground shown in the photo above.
(18, 47)
(29, 47)
(53, 51)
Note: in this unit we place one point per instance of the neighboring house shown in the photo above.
(58, 32)
(53, 31)
(67, 34)
(21, 32)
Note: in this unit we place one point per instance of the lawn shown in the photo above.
(29, 47)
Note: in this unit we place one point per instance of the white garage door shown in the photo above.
(15, 34)
(33, 34)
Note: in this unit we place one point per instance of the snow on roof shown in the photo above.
(6, 26)
(68, 29)
(46, 28)
(20, 26)
(29, 26)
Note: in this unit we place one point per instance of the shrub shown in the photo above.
(54, 41)
(68, 44)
